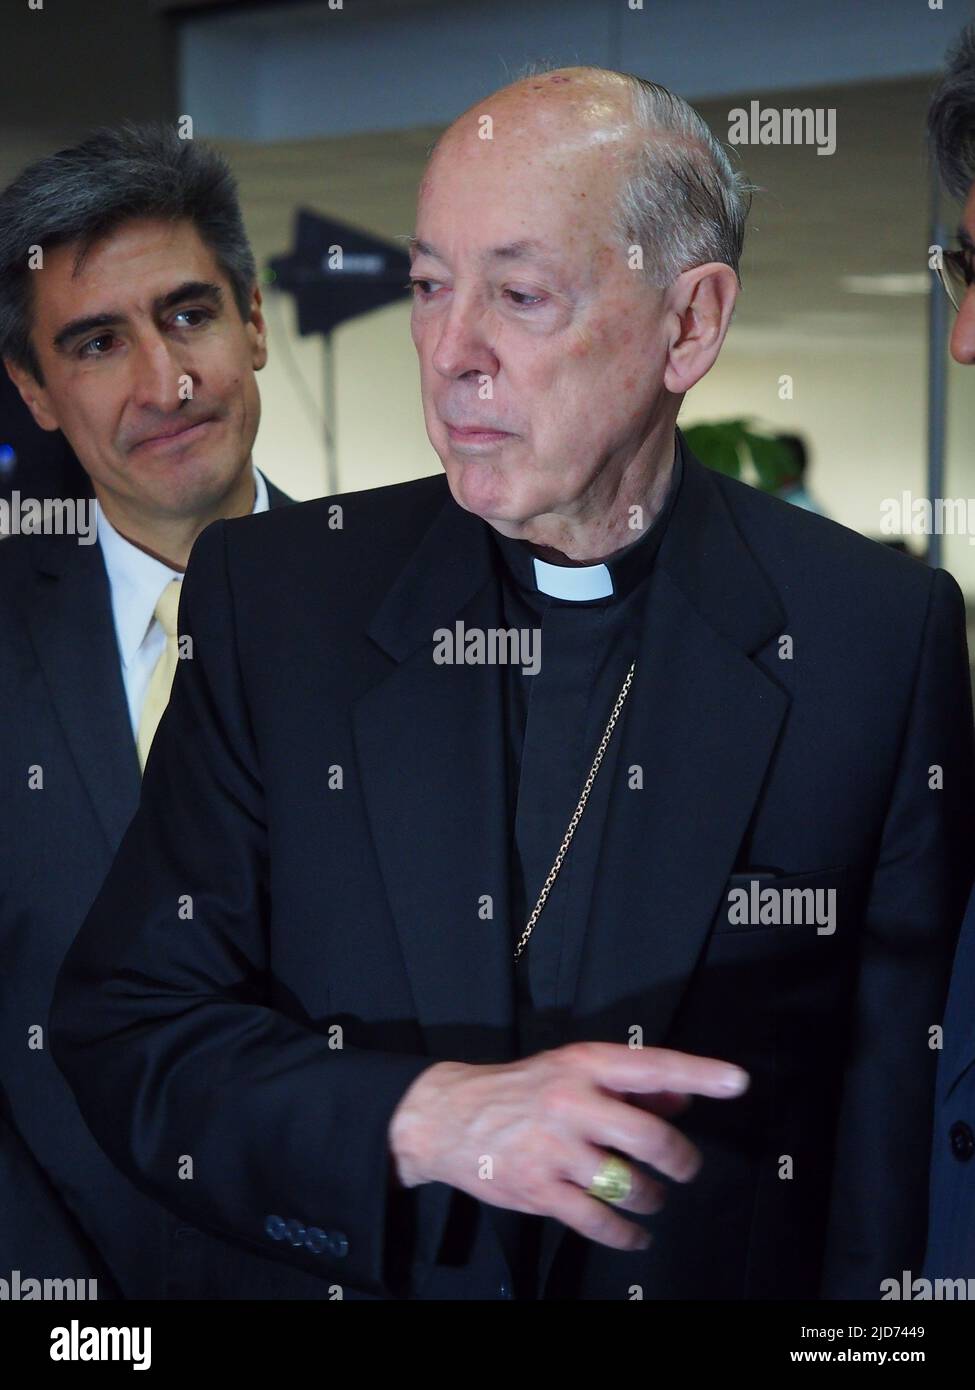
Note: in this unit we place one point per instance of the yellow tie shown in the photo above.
(161, 680)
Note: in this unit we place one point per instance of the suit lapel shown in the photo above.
(70, 623)
(277, 498)
(702, 725)
(71, 626)
(430, 744)
(959, 1020)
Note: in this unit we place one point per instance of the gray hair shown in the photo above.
(83, 193)
(684, 203)
(951, 118)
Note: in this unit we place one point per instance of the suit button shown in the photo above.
(505, 1290)
(962, 1140)
(315, 1240)
(294, 1231)
(274, 1227)
(338, 1244)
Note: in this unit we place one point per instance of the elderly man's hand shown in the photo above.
(531, 1135)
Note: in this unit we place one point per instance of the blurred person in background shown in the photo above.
(951, 1233)
(793, 487)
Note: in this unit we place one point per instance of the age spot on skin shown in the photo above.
(580, 344)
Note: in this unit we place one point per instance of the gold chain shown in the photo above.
(576, 815)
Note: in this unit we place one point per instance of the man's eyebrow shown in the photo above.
(111, 318)
(422, 248)
(511, 251)
(77, 327)
(519, 250)
(189, 289)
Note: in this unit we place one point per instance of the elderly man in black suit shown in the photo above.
(130, 320)
(511, 809)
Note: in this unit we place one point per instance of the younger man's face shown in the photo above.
(148, 369)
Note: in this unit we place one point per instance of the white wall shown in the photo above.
(291, 72)
(379, 422)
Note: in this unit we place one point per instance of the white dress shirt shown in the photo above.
(136, 581)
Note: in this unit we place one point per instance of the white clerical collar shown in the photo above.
(575, 582)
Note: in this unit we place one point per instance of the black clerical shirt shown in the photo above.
(555, 720)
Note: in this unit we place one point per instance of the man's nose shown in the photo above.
(156, 375)
(963, 333)
(462, 345)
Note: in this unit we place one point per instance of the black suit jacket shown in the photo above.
(330, 803)
(951, 1233)
(66, 1212)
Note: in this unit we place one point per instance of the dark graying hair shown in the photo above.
(83, 193)
(684, 203)
(951, 118)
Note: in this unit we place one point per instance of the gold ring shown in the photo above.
(613, 1183)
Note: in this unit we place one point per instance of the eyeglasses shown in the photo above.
(956, 272)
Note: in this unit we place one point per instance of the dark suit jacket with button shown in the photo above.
(332, 803)
(65, 1210)
(951, 1234)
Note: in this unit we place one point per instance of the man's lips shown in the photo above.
(474, 434)
(178, 434)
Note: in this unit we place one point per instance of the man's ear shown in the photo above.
(33, 395)
(700, 302)
(257, 330)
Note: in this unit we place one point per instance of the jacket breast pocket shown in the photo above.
(814, 903)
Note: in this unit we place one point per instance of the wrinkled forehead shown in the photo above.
(517, 188)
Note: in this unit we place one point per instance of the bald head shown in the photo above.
(577, 104)
(574, 121)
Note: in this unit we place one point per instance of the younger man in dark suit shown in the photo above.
(130, 319)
